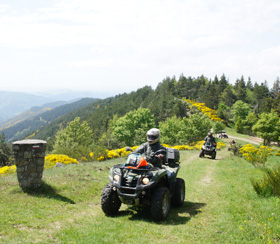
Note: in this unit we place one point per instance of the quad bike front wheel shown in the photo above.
(213, 156)
(201, 154)
(160, 204)
(178, 197)
(110, 202)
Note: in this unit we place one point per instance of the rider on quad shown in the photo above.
(210, 139)
(148, 178)
(209, 146)
(153, 145)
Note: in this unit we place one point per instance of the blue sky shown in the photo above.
(118, 46)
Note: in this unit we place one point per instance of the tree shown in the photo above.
(249, 122)
(240, 109)
(131, 129)
(276, 104)
(244, 126)
(249, 84)
(5, 151)
(223, 112)
(218, 127)
(240, 89)
(170, 130)
(197, 127)
(187, 130)
(227, 96)
(261, 93)
(276, 88)
(74, 140)
(268, 127)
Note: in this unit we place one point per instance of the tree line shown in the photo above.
(241, 105)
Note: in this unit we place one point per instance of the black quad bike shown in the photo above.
(208, 149)
(138, 183)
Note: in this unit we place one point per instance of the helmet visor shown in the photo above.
(152, 137)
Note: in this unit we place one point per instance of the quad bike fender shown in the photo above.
(172, 175)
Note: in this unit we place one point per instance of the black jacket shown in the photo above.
(210, 139)
(147, 150)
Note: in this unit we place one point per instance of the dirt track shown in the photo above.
(252, 139)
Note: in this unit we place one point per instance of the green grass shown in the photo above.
(220, 207)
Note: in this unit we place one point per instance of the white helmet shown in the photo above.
(153, 135)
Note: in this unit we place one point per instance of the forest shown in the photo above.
(116, 121)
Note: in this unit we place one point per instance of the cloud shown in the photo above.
(92, 63)
(139, 40)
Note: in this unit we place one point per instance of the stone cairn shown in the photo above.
(29, 158)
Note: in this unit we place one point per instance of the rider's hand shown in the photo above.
(160, 156)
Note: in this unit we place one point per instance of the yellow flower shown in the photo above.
(52, 159)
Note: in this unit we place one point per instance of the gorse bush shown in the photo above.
(211, 113)
(109, 154)
(101, 155)
(256, 156)
(52, 159)
(8, 170)
(270, 184)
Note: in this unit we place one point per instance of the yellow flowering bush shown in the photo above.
(52, 159)
(198, 145)
(211, 113)
(50, 162)
(83, 159)
(8, 169)
(101, 158)
(109, 154)
(117, 153)
(254, 155)
(277, 153)
(270, 184)
(220, 145)
(180, 147)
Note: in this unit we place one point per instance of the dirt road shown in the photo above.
(253, 140)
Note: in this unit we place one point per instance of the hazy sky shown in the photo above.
(118, 46)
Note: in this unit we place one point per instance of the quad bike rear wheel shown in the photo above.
(110, 201)
(178, 197)
(160, 204)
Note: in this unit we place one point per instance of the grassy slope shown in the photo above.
(220, 207)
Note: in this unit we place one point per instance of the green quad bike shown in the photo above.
(137, 183)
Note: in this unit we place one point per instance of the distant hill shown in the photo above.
(26, 127)
(14, 103)
(30, 113)
(161, 101)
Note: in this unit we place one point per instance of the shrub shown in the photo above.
(270, 184)
(256, 156)
(8, 170)
(52, 159)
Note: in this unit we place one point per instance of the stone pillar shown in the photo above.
(29, 158)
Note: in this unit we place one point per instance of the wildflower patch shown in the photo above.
(211, 113)
(256, 156)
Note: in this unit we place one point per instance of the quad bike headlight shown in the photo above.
(145, 181)
(116, 178)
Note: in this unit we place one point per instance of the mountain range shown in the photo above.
(23, 113)
(13, 104)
